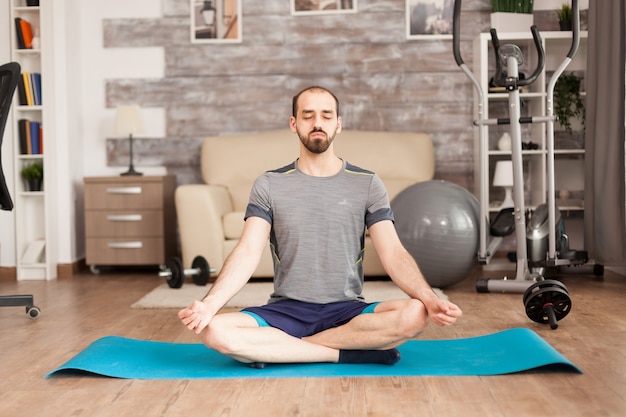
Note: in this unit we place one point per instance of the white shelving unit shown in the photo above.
(569, 151)
(34, 227)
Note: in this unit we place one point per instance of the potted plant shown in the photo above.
(565, 17)
(512, 6)
(511, 15)
(568, 103)
(33, 175)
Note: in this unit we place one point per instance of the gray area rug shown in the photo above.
(252, 294)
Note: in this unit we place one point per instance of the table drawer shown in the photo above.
(124, 196)
(114, 251)
(141, 223)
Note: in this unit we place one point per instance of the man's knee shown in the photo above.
(412, 318)
(214, 336)
(220, 335)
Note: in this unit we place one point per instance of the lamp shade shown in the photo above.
(128, 120)
(503, 177)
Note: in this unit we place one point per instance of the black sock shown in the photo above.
(257, 365)
(385, 357)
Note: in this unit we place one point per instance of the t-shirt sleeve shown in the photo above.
(259, 204)
(378, 207)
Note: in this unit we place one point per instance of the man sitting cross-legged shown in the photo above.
(314, 212)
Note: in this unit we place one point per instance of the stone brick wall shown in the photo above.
(384, 81)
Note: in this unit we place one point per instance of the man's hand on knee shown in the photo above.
(443, 312)
(195, 317)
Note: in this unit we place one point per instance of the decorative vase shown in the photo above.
(504, 144)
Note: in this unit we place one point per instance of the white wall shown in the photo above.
(82, 121)
(100, 64)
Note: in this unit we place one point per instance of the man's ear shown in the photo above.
(339, 124)
(292, 124)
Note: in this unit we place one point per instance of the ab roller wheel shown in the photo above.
(175, 274)
(547, 301)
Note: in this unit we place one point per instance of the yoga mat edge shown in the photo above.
(506, 352)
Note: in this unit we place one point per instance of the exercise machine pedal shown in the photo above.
(503, 224)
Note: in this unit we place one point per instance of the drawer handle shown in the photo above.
(124, 190)
(126, 245)
(124, 217)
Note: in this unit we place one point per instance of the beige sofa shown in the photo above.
(210, 215)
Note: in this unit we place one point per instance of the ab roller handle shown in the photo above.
(175, 274)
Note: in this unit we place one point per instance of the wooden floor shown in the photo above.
(78, 310)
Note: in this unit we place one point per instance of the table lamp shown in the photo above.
(128, 121)
(503, 177)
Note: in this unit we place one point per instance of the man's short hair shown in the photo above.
(294, 103)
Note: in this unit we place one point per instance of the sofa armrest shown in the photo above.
(200, 208)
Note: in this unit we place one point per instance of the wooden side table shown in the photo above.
(129, 220)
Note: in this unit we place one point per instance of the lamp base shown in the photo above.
(131, 167)
(508, 199)
(131, 172)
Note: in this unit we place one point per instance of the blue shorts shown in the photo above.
(301, 319)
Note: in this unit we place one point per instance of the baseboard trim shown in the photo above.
(9, 273)
(69, 270)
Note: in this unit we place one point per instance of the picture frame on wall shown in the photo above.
(215, 21)
(429, 19)
(311, 7)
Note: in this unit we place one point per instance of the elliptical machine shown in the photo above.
(540, 233)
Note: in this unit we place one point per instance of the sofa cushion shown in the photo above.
(235, 161)
(233, 224)
(398, 158)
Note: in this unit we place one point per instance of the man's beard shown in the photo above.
(316, 145)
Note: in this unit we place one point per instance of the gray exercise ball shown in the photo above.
(438, 224)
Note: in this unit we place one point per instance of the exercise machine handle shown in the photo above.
(575, 29)
(456, 33)
(498, 80)
(541, 58)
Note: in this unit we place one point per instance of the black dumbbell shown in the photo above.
(175, 275)
(547, 301)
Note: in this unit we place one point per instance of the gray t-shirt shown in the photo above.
(318, 229)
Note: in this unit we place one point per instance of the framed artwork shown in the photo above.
(309, 7)
(429, 19)
(215, 21)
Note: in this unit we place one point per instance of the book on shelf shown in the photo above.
(21, 92)
(29, 144)
(29, 89)
(18, 34)
(24, 32)
(31, 137)
(23, 125)
(36, 85)
(35, 144)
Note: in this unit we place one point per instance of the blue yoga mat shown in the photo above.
(504, 352)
